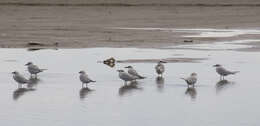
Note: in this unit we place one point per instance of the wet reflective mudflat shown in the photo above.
(57, 97)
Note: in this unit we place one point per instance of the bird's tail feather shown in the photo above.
(43, 69)
(235, 72)
(141, 77)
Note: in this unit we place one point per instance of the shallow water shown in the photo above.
(57, 98)
(202, 33)
(228, 45)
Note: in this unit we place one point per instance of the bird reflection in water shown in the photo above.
(33, 82)
(192, 92)
(160, 83)
(21, 91)
(126, 89)
(83, 92)
(223, 84)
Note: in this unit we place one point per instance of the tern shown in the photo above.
(223, 72)
(126, 76)
(191, 80)
(20, 79)
(84, 78)
(159, 68)
(33, 69)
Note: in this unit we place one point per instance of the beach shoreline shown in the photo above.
(99, 26)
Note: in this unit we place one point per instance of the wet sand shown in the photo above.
(132, 2)
(96, 26)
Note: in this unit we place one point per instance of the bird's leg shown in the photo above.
(125, 83)
(82, 85)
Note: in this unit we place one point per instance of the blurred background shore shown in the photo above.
(106, 23)
(134, 2)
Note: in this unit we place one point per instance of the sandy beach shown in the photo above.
(110, 26)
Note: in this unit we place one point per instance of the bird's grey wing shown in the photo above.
(20, 79)
(34, 69)
(133, 72)
(159, 68)
(191, 80)
(84, 78)
(223, 71)
(126, 77)
(194, 80)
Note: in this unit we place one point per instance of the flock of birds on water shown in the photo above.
(130, 76)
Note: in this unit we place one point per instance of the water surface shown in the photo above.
(58, 99)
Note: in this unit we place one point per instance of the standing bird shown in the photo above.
(133, 72)
(33, 69)
(126, 76)
(19, 78)
(191, 80)
(84, 78)
(159, 68)
(223, 72)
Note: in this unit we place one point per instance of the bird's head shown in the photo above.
(129, 67)
(193, 74)
(217, 65)
(120, 71)
(15, 72)
(29, 63)
(82, 72)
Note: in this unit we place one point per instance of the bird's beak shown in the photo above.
(127, 67)
(26, 64)
(163, 61)
(214, 65)
(12, 73)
